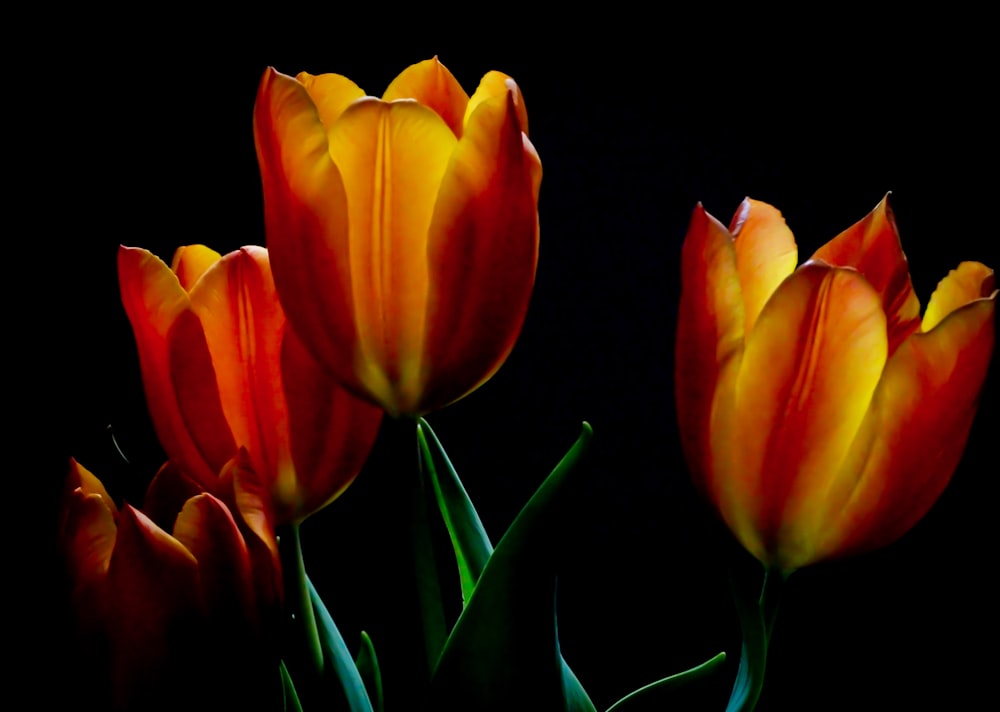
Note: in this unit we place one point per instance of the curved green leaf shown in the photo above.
(337, 661)
(646, 692)
(367, 664)
(503, 652)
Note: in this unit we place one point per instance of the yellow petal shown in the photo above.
(392, 156)
(971, 281)
(915, 432)
(709, 339)
(190, 262)
(330, 95)
(872, 247)
(809, 369)
(765, 254)
(431, 84)
(494, 84)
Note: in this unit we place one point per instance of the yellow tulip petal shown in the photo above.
(306, 220)
(330, 94)
(331, 431)
(238, 308)
(872, 247)
(494, 84)
(395, 155)
(971, 281)
(153, 299)
(809, 369)
(709, 339)
(484, 247)
(82, 478)
(431, 84)
(766, 253)
(915, 432)
(190, 262)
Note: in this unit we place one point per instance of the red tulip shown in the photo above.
(183, 617)
(223, 373)
(403, 230)
(819, 412)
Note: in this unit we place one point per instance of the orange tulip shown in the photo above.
(819, 413)
(222, 373)
(403, 230)
(182, 617)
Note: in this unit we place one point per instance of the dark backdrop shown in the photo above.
(149, 136)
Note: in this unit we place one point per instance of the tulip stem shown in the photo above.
(303, 638)
(757, 621)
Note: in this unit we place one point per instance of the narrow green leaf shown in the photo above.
(503, 652)
(339, 668)
(367, 664)
(647, 692)
(291, 700)
(468, 537)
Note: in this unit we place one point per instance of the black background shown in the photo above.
(146, 139)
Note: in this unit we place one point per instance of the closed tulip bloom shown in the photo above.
(403, 230)
(182, 617)
(820, 413)
(223, 375)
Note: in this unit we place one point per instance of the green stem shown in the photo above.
(757, 621)
(302, 643)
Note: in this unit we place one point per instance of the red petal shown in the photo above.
(872, 247)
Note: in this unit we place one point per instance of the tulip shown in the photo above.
(820, 414)
(183, 617)
(223, 375)
(403, 230)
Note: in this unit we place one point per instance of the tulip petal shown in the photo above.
(395, 154)
(330, 95)
(305, 214)
(431, 84)
(971, 281)
(82, 478)
(190, 262)
(809, 369)
(483, 246)
(207, 529)
(167, 493)
(153, 594)
(331, 430)
(915, 432)
(766, 253)
(192, 379)
(492, 85)
(709, 340)
(88, 538)
(872, 247)
(238, 310)
(153, 299)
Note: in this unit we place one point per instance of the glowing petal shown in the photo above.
(431, 84)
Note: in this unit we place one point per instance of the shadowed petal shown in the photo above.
(190, 262)
(971, 281)
(495, 84)
(484, 247)
(709, 339)
(167, 493)
(330, 95)
(305, 214)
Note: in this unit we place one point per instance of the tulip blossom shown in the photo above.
(185, 618)
(403, 230)
(223, 375)
(820, 413)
